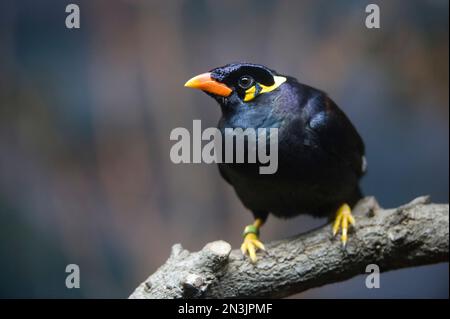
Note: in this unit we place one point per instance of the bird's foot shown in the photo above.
(344, 218)
(251, 242)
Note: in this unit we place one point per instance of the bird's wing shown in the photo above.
(337, 135)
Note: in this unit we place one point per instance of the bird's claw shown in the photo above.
(344, 218)
(251, 244)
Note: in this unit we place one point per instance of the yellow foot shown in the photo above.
(343, 219)
(251, 244)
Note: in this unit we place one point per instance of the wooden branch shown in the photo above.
(411, 235)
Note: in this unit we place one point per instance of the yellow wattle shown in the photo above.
(250, 94)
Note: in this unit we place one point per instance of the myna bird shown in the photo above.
(320, 153)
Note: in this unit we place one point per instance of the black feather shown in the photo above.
(320, 152)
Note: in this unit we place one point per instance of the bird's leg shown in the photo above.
(251, 239)
(344, 217)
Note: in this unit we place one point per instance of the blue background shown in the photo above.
(85, 118)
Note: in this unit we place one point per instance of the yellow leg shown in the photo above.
(343, 219)
(251, 240)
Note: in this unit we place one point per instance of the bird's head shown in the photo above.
(237, 83)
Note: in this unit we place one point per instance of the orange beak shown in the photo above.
(205, 83)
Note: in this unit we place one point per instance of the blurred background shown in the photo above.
(85, 118)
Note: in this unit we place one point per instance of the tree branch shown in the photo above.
(411, 235)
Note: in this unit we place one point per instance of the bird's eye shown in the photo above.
(245, 82)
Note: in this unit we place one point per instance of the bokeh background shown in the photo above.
(85, 118)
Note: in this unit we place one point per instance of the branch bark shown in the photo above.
(411, 235)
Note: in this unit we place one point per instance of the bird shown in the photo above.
(321, 156)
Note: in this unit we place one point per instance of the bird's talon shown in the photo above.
(343, 219)
(251, 245)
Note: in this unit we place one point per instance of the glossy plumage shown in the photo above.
(321, 155)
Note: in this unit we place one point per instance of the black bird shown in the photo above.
(320, 153)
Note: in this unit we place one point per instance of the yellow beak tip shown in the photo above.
(205, 83)
(197, 81)
(188, 84)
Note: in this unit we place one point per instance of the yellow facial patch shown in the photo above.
(257, 89)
